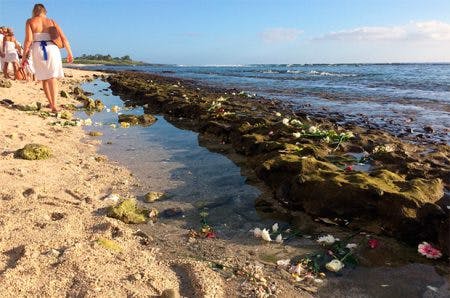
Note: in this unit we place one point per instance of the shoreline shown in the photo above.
(246, 125)
(410, 120)
(55, 236)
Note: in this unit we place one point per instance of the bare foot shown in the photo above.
(55, 110)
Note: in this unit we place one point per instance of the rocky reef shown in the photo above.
(373, 180)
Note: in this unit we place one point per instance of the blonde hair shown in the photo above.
(38, 9)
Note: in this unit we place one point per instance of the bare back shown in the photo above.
(40, 24)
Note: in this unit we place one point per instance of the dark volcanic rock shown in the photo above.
(428, 129)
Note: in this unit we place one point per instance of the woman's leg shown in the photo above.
(53, 89)
(47, 93)
(5, 70)
(15, 68)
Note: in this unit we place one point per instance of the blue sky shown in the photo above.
(199, 32)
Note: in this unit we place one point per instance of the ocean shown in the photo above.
(408, 100)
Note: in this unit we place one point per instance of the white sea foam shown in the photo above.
(331, 74)
(270, 71)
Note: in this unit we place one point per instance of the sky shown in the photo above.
(230, 32)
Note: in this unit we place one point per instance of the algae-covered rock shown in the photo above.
(125, 124)
(313, 150)
(109, 244)
(251, 144)
(77, 91)
(153, 196)
(89, 103)
(279, 168)
(95, 133)
(128, 212)
(323, 189)
(132, 119)
(144, 119)
(66, 115)
(33, 152)
(63, 93)
(99, 106)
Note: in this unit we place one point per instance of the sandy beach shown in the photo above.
(52, 216)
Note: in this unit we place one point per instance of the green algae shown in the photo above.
(144, 119)
(109, 244)
(128, 212)
(33, 152)
(63, 93)
(91, 104)
(152, 196)
(66, 115)
(99, 106)
(78, 91)
(94, 133)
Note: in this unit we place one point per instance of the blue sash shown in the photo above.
(43, 44)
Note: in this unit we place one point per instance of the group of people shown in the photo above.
(11, 53)
(40, 56)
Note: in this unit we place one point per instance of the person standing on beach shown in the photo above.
(11, 51)
(2, 55)
(45, 54)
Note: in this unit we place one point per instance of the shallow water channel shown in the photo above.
(168, 159)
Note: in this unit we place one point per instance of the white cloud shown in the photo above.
(434, 30)
(279, 35)
(413, 31)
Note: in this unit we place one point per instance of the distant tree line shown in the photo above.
(108, 57)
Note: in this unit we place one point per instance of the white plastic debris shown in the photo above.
(275, 227)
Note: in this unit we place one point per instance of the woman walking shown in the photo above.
(45, 54)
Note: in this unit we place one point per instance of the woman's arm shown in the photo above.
(65, 43)
(4, 46)
(18, 46)
(2, 51)
(27, 42)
